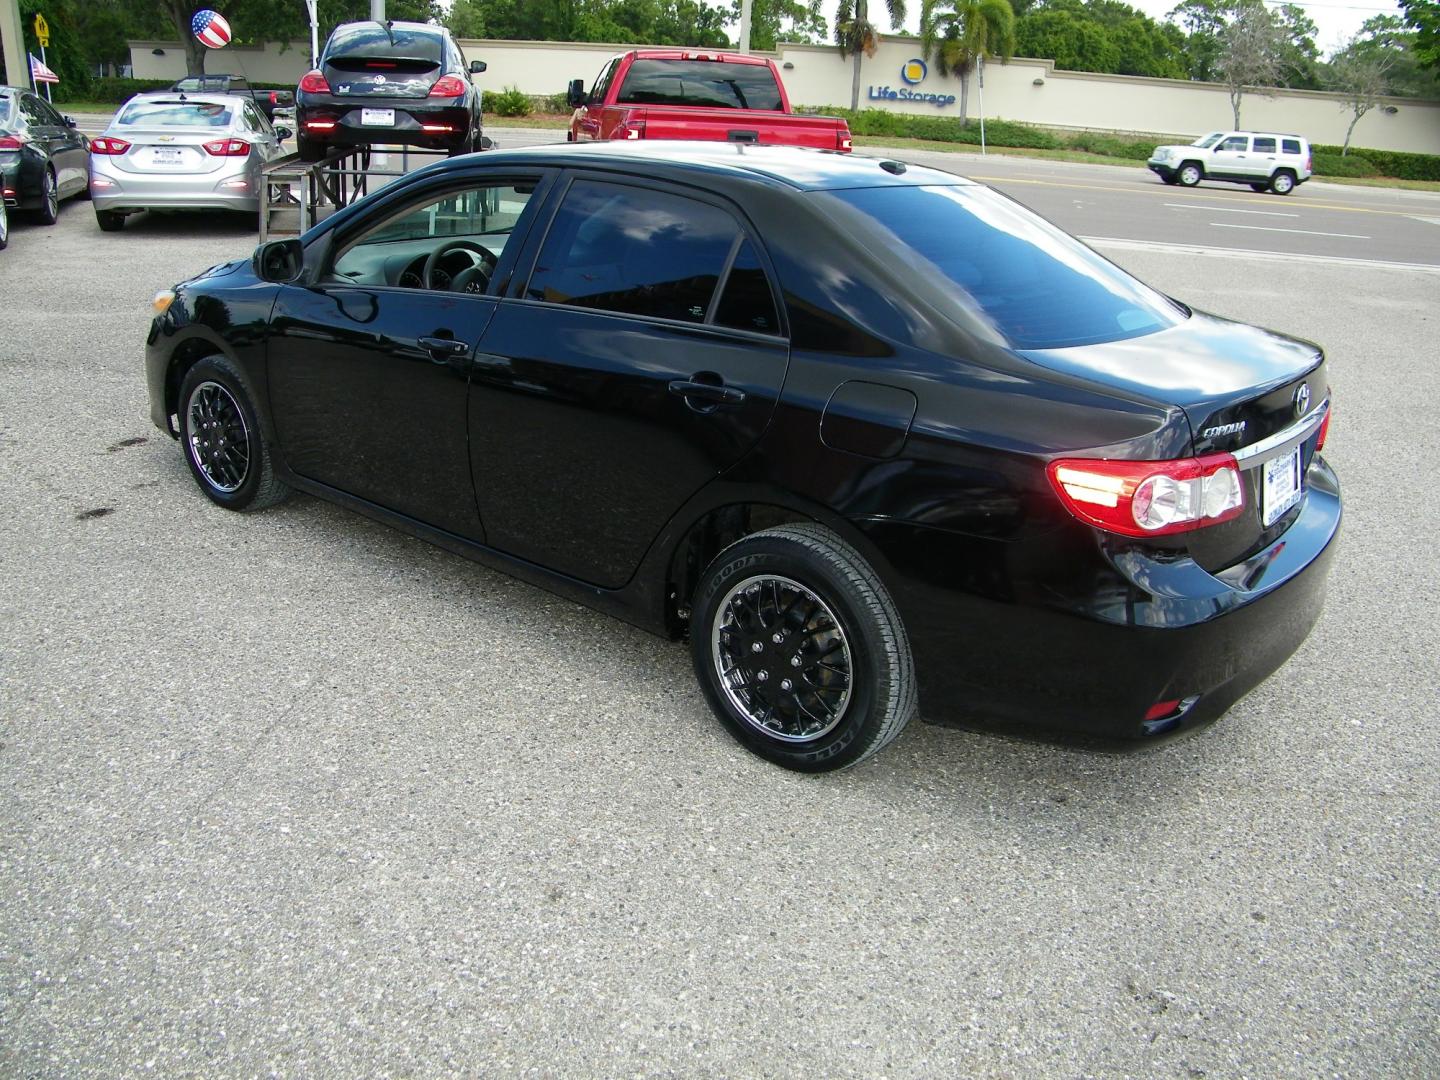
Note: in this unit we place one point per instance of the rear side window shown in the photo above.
(634, 251)
(747, 302)
(1037, 286)
(1264, 145)
(365, 40)
(700, 82)
(1291, 146)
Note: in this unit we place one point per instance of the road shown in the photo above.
(294, 795)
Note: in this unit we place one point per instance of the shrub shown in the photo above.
(508, 102)
(1399, 164)
(553, 104)
(1117, 146)
(1330, 163)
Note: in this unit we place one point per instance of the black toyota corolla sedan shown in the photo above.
(875, 438)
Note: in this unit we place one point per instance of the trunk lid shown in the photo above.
(371, 77)
(1241, 387)
(172, 150)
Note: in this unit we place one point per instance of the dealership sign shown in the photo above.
(913, 73)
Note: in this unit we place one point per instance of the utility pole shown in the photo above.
(17, 67)
(744, 26)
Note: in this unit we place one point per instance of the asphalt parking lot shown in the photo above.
(293, 794)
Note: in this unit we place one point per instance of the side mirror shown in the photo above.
(279, 261)
(282, 133)
(477, 67)
(69, 121)
(575, 95)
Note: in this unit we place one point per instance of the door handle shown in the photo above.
(443, 348)
(711, 393)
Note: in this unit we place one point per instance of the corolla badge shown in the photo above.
(1302, 399)
(1224, 429)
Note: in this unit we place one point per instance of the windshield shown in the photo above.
(1210, 140)
(1036, 285)
(179, 114)
(707, 83)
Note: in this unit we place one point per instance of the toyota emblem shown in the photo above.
(1302, 399)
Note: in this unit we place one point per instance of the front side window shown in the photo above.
(704, 83)
(1235, 142)
(602, 81)
(1207, 141)
(634, 251)
(1034, 284)
(466, 231)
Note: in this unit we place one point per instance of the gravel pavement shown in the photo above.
(293, 794)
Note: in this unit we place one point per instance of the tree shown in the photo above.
(954, 34)
(1251, 52)
(1100, 35)
(1423, 16)
(1360, 72)
(858, 37)
(773, 21)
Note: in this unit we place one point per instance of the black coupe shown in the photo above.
(876, 438)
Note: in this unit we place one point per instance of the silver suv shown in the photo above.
(1265, 160)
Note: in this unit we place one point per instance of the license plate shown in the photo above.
(377, 117)
(1282, 486)
(163, 156)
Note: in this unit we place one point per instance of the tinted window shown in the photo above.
(1264, 145)
(639, 252)
(371, 39)
(747, 303)
(192, 114)
(700, 82)
(602, 83)
(1235, 142)
(1037, 286)
(1291, 146)
(31, 108)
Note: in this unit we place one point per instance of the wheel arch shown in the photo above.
(718, 517)
(185, 354)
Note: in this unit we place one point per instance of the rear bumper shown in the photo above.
(1084, 653)
(411, 119)
(114, 190)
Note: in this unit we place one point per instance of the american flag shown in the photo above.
(211, 28)
(40, 73)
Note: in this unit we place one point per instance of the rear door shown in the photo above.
(642, 357)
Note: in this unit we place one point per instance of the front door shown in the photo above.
(1232, 159)
(369, 367)
(642, 358)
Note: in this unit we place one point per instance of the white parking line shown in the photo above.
(1227, 210)
(1302, 232)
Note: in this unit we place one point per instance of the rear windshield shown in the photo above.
(177, 114)
(700, 82)
(210, 82)
(370, 39)
(1039, 287)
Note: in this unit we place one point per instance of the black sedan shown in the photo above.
(874, 437)
(389, 83)
(43, 159)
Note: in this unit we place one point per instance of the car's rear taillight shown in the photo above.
(227, 148)
(108, 146)
(448, 86)
(274, 97)
(12, 142)
(1150, 498)
(629, 129)
(1324, 428)
(845, 145)
(314, 83)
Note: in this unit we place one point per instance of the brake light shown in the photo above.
(319, 125)
(227, 148)
(436, 129)
(108, 146)
(1324, 428)
(448, 86)
(12, 142)
(844, 143)
(1150, 498)
(274, 97)
(380, 64)
(314, 83)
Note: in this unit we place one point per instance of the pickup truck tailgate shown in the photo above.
(729, 125)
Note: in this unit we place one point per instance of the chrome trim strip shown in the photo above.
(1282, 442)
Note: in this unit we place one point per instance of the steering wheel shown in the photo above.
(472, 276)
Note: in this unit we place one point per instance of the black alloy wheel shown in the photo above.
(49, 211)
(223, 442)
(800, 651)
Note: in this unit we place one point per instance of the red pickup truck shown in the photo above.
(695, 94)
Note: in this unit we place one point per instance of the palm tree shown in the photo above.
(857, 36)
(956, 33)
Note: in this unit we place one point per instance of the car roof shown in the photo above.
(394, 24)
(790, 166)
(716, 55)
(189, 97)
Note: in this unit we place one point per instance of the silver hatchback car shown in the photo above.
(181, 151)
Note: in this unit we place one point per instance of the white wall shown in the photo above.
(819, 75)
